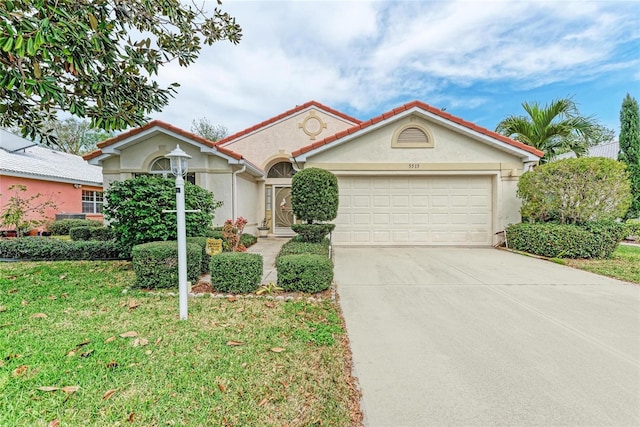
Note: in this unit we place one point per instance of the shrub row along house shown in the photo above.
(414, 175)
(74, 186)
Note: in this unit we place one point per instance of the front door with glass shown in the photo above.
(283, 216)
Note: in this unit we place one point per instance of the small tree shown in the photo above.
(575, 191)
(135, 207)
(314, 195)
(19, 213)
(204, 128)
(630, 149)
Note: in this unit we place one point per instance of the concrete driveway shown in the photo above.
(483, 337)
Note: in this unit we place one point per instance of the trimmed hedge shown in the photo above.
(44, 248)
(104, 234)
(62, 227)
(236, 272)
(591, 240)
(206, 258)
(297, 247)
(156, 264)
(313, 232)
(304, 273)
(632, 228)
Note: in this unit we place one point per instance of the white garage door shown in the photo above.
(417, 210)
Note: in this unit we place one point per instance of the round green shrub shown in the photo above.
(237, 272)
(304, 273)
(314, 195)
(296, 247)
(156, 264)
(313, 233)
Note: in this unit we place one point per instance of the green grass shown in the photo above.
(624, 265)
(288, 370)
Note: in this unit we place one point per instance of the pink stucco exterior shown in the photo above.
(66, 196)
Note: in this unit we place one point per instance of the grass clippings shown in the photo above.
(95, 360)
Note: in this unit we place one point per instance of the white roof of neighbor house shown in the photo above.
(609, 151)
(22, 158)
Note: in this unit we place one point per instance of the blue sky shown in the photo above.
(478, 59)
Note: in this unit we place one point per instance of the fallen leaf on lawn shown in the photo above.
(20, 370)
(234, 343)
(1, 363)
(52, 297)
(136, 342)
(129, 334)
(158, 340)
(85, 342)
(130, 418)
(64, 295)
(148, 352)
(39, 316)
(112, 364)
(240, 310)
(86, 353)
(24, 302)
(54, 423)
(13, 356)
(2, 308)
(263, 401)
(72, 353)
(270, 304)
(232, 299)
(110, 339)
(109, 393)
(143, 342)
(222, 388)
(70, 388)
(63, 277)
(133, 304)
(48, 388)
(13, 291)
(277, 349)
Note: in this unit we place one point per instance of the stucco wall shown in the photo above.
(248, 198)
(281, 138)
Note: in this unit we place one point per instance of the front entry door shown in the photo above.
(283, 216)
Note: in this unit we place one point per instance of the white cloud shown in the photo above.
(363, 55)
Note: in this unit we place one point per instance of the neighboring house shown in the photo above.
(609, 150)
(68, 180)
(412, 176)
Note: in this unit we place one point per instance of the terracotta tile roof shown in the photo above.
(164, 125)
(284, 115)
(430, 109)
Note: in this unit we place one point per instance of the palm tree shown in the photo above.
(555, 128)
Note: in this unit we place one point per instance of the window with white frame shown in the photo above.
(92, 202)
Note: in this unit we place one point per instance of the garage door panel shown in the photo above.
(414, 210)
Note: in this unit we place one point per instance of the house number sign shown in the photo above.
(414, 165)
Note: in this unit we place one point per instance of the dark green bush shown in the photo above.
(156, 264)
(248, 240)
(313, 232)
(92, 233)
(236, 272)
(304, 273)
(591, 240)
(62, 227)
(633, 228)
(296, 247)
(206, 258)
(135, 207)
(314, 195)
(51, 249)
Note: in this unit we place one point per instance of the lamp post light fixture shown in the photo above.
(178, 159)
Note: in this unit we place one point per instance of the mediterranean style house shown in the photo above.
(412, 176)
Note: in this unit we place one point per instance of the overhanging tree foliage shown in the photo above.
(96, 59)
(135, 207)
(575, 191)
(630, 149)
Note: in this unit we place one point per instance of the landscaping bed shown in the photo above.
(76, 349)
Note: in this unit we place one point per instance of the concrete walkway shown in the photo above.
(483, 337)
(268, 247)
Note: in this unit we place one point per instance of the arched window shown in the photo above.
(162, 166)
(281, 170)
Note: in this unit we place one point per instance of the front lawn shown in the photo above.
(75, 349)
(624, 265)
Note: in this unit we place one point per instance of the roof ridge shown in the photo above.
(287, 113)
(422, 105)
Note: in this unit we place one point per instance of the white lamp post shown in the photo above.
(178, 160)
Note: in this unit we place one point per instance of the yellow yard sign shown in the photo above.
(214, 246)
